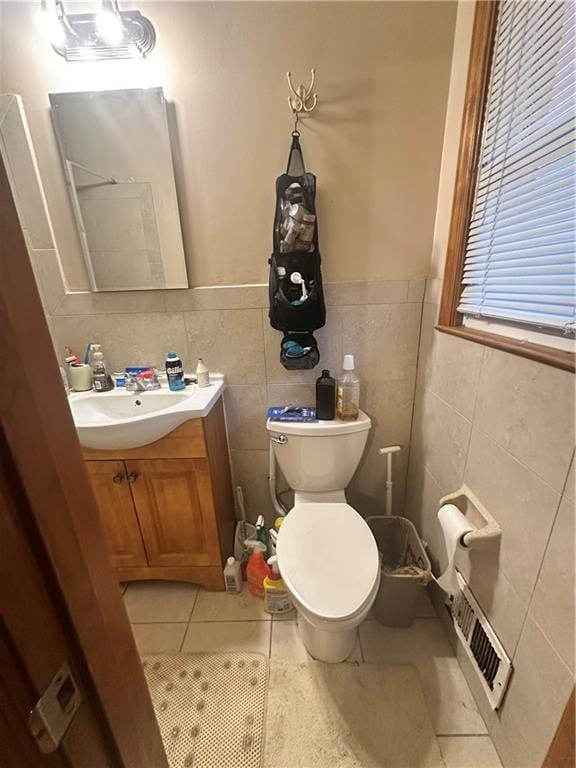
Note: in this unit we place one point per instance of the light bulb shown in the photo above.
(50, 27)
(110, 27)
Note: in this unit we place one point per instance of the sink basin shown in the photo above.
(119, 419)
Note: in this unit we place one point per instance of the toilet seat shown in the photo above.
(328, 559)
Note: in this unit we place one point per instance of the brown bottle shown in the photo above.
(325, 397)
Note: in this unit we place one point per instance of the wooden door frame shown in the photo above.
(37, 422)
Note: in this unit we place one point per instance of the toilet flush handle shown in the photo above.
(280, 440)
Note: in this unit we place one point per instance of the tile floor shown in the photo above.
(172, 617)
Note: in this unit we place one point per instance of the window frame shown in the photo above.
(449, 319)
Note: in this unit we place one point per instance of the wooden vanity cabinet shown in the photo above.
(167, 508)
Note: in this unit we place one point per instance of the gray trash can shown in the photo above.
(405, 568)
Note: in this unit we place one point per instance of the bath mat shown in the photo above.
(348, 716)
(210, 707)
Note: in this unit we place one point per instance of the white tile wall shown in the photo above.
(505, 425)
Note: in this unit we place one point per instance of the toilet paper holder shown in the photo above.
(487, 529)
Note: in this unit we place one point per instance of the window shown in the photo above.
(510, 268)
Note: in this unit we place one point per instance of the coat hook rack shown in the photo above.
(302, 100)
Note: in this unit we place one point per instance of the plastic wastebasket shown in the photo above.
(405, 569)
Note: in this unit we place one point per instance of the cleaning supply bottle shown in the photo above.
(100, 377)
(348, 398)
(325, 397)
(175, 372)
(262, 533)
(256, 570)
(202, 374)
(276, 597)
(233, 576)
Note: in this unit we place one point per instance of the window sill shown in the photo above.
(542, 354)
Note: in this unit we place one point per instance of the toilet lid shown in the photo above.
(328, 558)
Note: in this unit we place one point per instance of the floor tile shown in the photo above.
(347, 716)
(426, 646)
(158, 638)
(221, 606)
(162, 601)
(287, 645)
(469, 752)
(290, 616)
(224, 636)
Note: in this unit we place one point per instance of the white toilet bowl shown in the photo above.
(329, 561)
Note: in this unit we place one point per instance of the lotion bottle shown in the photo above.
(202, 374)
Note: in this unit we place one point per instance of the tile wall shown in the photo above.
(504, 425)
(228, 327)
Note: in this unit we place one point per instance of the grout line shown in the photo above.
(413, 410)
(361, 648)
(221, 621)
(270, 641)
(134, 623)
(194, 604)
(183, 638)
(464, 735)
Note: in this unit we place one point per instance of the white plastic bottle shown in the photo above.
(202, 374)
(276, 597)
(348, 393)
(233, 576)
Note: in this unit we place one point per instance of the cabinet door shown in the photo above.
(174, 504)
(112, 491)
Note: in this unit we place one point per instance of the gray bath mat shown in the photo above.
(348, 716)
(210, 707)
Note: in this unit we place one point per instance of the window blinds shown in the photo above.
(520, 261)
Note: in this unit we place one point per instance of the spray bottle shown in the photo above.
(256, 570)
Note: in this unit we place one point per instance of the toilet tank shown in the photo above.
(319, 456)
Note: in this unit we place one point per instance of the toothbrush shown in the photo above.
(87, 353)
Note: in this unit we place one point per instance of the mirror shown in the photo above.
(115, 149)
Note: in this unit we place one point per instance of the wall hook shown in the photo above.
(302, 98)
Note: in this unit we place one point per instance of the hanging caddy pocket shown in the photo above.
(296, 297)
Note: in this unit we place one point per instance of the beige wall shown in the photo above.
(374, 141)
(504, 426)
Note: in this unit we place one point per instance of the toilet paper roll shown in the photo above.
(80, 377)
(454, 525)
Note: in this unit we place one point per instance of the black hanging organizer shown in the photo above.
(297, 305)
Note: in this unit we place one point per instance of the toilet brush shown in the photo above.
(244, 530)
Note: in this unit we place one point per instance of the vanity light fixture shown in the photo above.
(109, 23)
(49, 24)
(108, 34)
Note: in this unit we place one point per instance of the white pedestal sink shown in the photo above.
(120, 419)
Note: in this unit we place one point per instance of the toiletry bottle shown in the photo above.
(325, 397)
(233, 576)
(348, 398)
(202, 374)
(100, 376)
(276, 597)
(256, 570)
(65, 380)
(175, 372)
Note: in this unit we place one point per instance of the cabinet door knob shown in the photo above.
(118, 477)
(132, 477)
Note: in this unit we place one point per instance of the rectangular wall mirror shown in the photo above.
(122, 193)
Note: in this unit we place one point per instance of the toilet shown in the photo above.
(327, 554)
